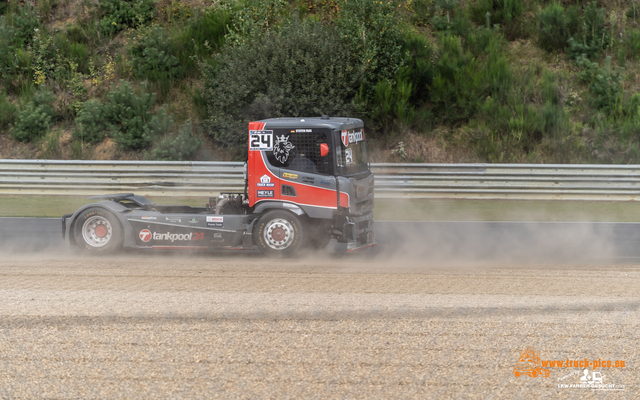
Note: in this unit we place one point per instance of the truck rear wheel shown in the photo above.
(98, 231)
(278, 234)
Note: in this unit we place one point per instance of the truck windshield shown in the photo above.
(353, 158)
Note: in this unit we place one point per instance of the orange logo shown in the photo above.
(529, 364)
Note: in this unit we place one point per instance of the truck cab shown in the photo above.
(319, 166)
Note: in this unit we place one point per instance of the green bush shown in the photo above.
(92, 123)
(422, 11)
(419, 56)
(178, 147)
(51, 145)
(371, 28)
(8, 59)
(592, 37)
(128, 114)
(631, 44)
(253, 18)
(462, 79)
(204, 34)
(32, 122)
(43, 99)
(553, 31)
(160, 124)
(605, 84)
(304, 69)
(4, 7)
(445, 11)
(152, 58)
(500, 11)
(116, 15)
(391, 105)
(456, 87)
(26, 23)
(7, 111)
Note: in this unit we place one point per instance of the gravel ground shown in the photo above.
(344, 327)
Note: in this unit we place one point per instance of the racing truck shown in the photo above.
(306, 181)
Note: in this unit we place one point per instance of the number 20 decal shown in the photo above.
(260, 140)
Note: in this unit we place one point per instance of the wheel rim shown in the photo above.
(97, 231)
(279, 234)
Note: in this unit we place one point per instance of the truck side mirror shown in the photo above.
(324, 149)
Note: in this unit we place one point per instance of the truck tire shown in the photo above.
(98, 231)
(278, 234)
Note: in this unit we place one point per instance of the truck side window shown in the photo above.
(300, 152)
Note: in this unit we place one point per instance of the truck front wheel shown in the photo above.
(98, 231)
(278, 234)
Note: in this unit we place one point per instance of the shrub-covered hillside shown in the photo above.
(434, 80)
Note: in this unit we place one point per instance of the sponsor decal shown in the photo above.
(145, 235)
(351, 137)
(173, 237)
(265, 193)
(145, 247)
(281, 148)
(325, 183)
(260, 140)
(218, 237)
(265, 181)
(193, 221)
(304, 130)
(290, 176)
(215, 221)
(145, 217)
(173, 219)
(308, 179)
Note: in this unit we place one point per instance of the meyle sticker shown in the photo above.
(172, 237)
(260, 140)
(173, 219)
(290, 176)
(215, 221)
(145, 235)
(282, 147)
(145, 217)
(265, 181)
(265, 193)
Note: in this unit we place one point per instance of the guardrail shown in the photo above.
(467, 181)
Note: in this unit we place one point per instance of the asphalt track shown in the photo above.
(461, 241)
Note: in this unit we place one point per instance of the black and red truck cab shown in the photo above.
(320, 165)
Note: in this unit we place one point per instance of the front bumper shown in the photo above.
(363, 233)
